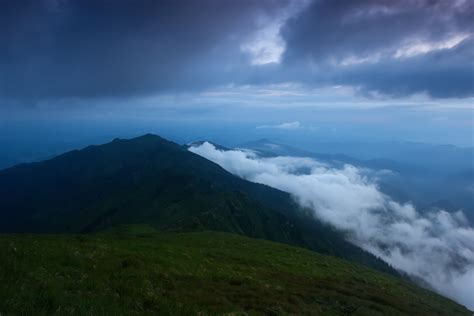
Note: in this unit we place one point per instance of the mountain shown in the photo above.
(135, 270)
(267, 148)
(149, 180)
(441, 157)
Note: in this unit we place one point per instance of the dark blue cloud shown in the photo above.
(52, 49)
(440, 74)
(88, 48)
(358, 42)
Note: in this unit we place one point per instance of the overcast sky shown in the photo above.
(210, 60)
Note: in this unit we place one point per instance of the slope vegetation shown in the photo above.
(135, 270)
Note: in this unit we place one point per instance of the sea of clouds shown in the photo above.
(434, 246)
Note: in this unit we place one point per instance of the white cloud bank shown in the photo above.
(437, 247)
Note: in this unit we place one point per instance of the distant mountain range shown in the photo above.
(413, 153)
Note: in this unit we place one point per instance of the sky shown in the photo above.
(364, 70)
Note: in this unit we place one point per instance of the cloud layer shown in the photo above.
(437, 247)
(52, 49)
(392, 47)
(101, 48)
(284, 126)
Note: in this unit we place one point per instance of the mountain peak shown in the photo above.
(144, 141)
(149, 137)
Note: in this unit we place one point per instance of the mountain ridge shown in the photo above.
(149, 180)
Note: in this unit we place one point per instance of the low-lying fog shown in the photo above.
(436, 246)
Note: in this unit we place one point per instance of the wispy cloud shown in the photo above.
(286, 126)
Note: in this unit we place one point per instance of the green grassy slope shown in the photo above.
(135, 270)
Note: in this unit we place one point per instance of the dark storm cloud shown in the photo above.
(441, 74)
(334, 29)
(53, 49)
(373, 45)
(106, 48)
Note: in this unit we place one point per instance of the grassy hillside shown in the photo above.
(149, 180)
(135, 270)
